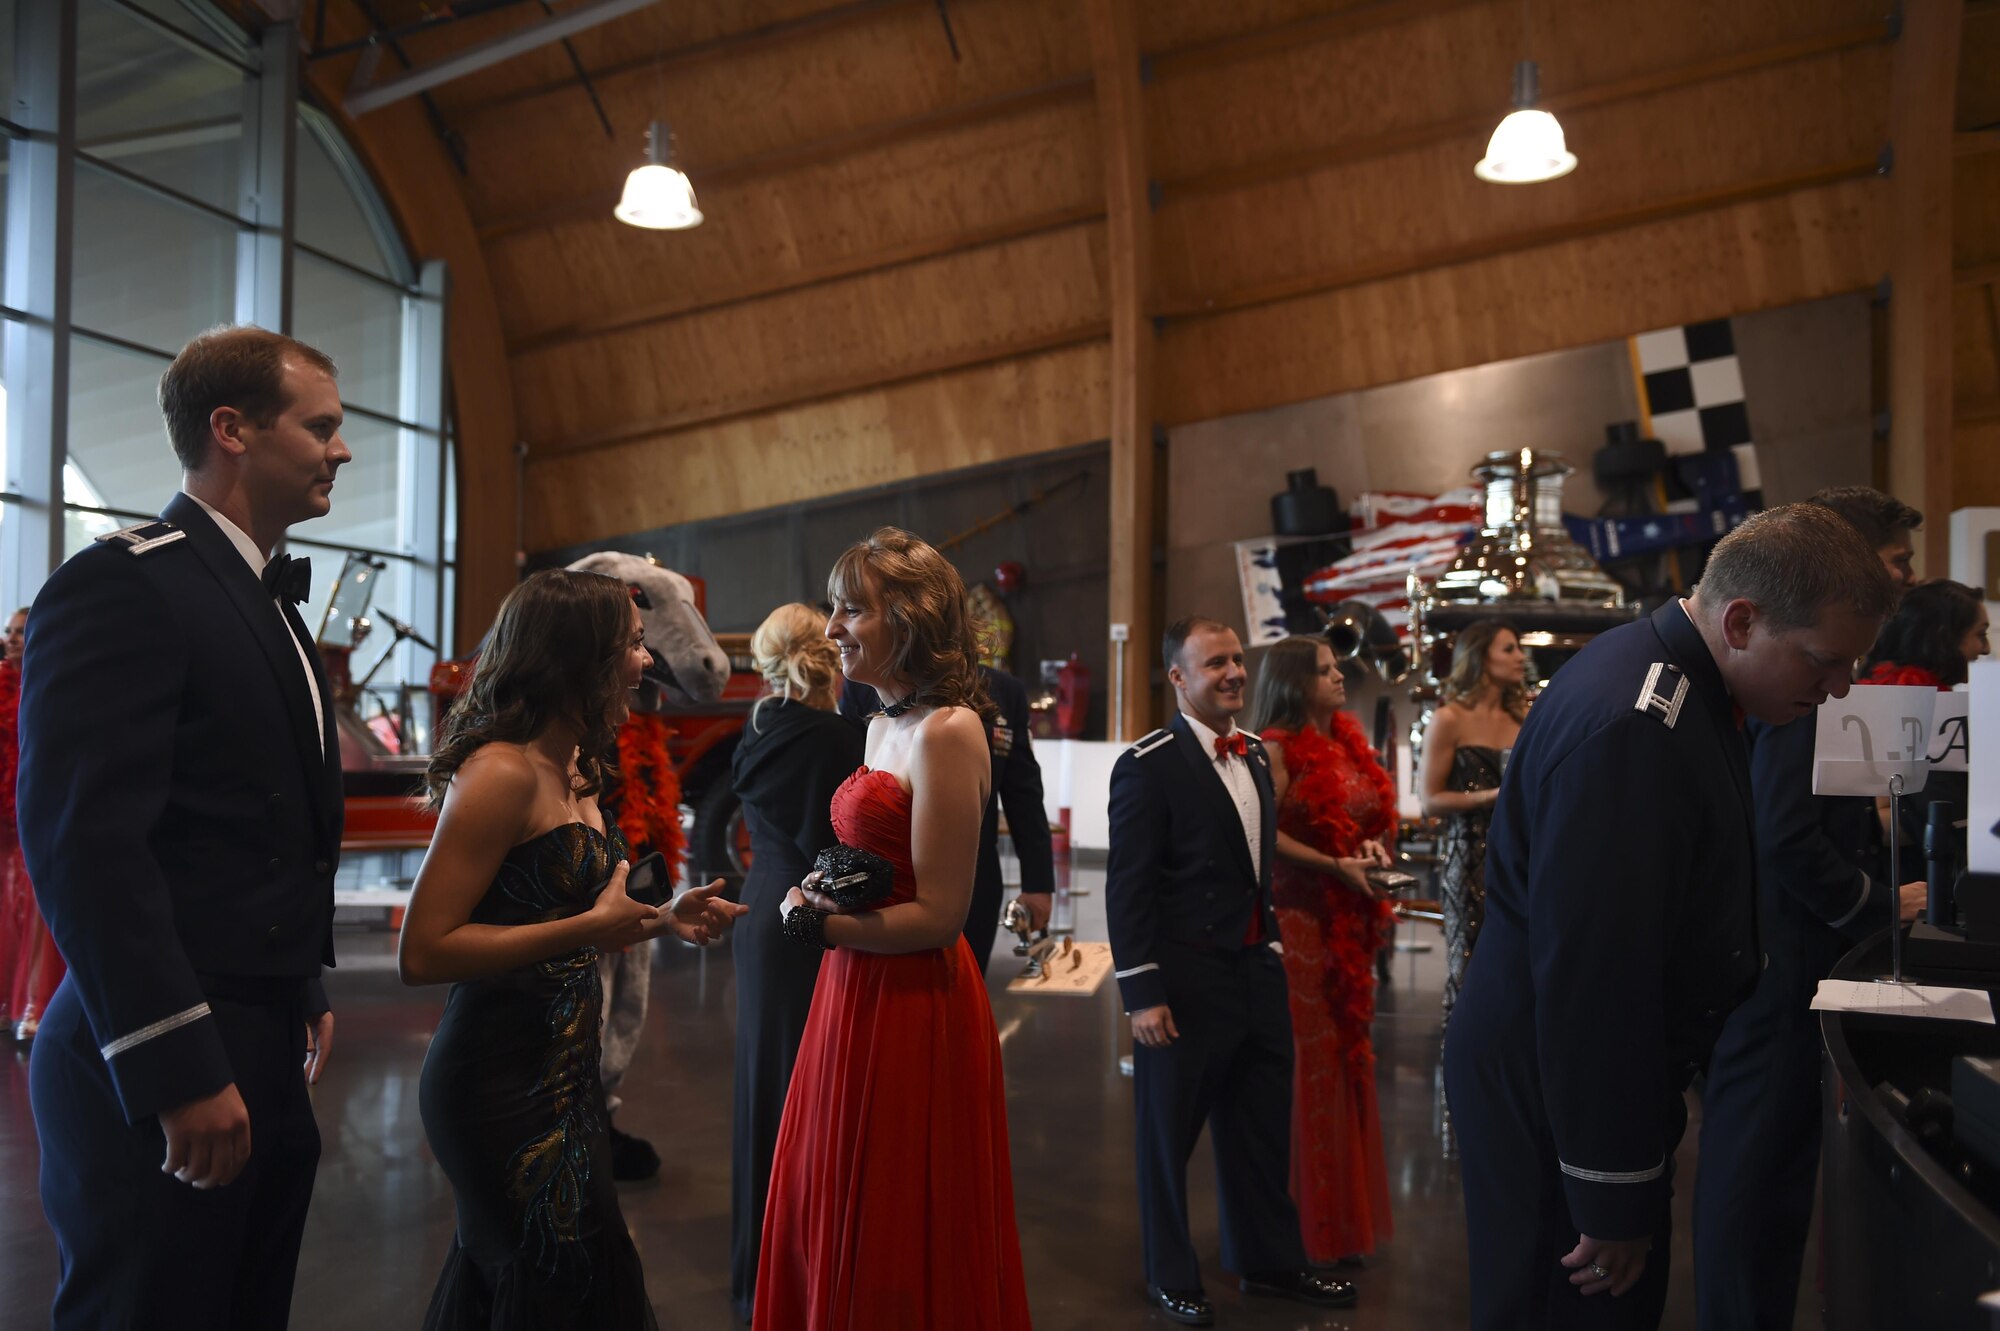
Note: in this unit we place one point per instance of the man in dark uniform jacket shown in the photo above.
(1188, 896)
(1621, 917)
(1819, 893)
(180, 810)
(1017, 788)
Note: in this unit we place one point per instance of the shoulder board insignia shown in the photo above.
(1665, 690)
(146, 536)
(1150, 742)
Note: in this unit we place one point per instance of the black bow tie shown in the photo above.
(289, 577)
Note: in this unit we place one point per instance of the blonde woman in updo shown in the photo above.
(793, 754)
(798, 662)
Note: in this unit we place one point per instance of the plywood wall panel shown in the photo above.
(1975, 210)
(763, 100)
(1975, 358)
(1750, 256)
(870, 329)
(986, 414)
(1174, 25)
(1975, 473)
(1444, 65)
(1369, 213)
(1979, 69)
(669, 25)
(769, 230)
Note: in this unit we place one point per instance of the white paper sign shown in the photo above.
(1951, 733)
(1904, 1000)
(1875, 733)
(1982, 843)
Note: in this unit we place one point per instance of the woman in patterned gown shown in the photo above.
(1476, 721)
(1336, 806)
(524, 882)
(892, 1199)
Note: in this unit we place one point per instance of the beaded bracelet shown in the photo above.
(805, 924)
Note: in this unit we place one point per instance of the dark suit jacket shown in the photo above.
(1621, 919)
(1179, 871)
(1814, 852)
(181, 820)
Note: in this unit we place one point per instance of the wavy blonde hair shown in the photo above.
(923, 597)
(797, 660)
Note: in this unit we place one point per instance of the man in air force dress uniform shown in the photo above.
(180, 809)
(1188, 896)
(1621, 922)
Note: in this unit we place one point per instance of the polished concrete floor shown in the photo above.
(382, 1213)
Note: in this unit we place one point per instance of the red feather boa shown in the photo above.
(10, 743)
(649, 790)
(1328, 773)
(1889, 672)
(1333, 776)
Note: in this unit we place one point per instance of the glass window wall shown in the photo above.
(167, 110)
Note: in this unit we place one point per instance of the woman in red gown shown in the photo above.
(892, 1197)
(1335, 807)
(31, 967)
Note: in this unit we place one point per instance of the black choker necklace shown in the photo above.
(895, 709)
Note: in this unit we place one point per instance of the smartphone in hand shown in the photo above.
(647, 881)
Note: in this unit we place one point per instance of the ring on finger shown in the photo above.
(1599, 1272)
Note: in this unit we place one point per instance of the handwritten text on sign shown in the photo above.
(1873, 735)
(1951, 733)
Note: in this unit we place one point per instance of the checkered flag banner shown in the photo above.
(1694, 393)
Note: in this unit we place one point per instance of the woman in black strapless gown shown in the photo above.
(524, 882)
(1478, 716)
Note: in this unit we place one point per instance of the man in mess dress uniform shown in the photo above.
(1621, 917)
(180, 809)
(1819, 893)
(1187, 896)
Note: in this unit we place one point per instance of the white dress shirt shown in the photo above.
(1242, 787)
(257, 559)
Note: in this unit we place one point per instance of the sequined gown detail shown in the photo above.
(1338, 797)
(1462, 863)
(513, 1107)
(892, 1196)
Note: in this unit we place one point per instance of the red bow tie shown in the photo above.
(1230, 743)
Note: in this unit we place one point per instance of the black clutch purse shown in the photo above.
(853, 878)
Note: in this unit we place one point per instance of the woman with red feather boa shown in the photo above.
(1335, 807)
(30, 966)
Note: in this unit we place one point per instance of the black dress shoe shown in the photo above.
(1189, 1307)
(1302, 1287)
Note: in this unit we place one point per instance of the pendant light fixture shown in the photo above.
(658, 195)
(1528, 146)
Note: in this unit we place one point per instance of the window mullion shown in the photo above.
(41, 216)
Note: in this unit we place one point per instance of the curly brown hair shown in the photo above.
(923, 597)
(553, 655)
